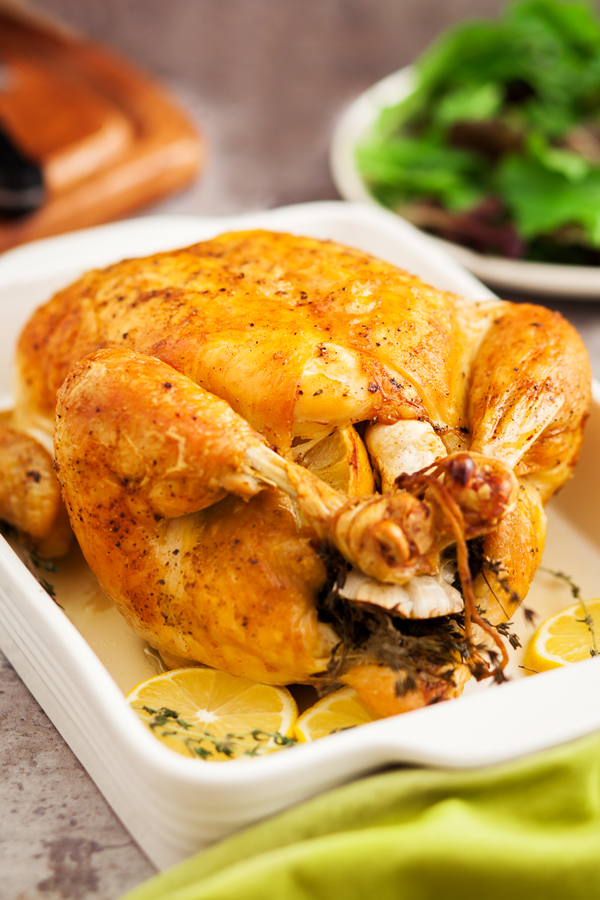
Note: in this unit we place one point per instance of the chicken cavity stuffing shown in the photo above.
(195, 380)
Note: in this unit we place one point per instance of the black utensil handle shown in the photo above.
(21, 179)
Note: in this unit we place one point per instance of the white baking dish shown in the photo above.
(173, 805)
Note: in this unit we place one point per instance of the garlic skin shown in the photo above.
(423, 597)
(404, 447)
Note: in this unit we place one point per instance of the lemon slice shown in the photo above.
(341, 459)
(333, 713)
(211, 715)
(564, 638)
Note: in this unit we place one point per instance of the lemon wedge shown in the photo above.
(211, 715)
(333, 713)
(564, 638)
(341, 459)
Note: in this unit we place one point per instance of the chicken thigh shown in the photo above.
(196, 377)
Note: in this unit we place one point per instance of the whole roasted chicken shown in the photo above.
(198, 392)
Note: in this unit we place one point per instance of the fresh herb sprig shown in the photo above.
(47, 564)
(576, 592)
(167, 723)
(415, 649)
(32, 560)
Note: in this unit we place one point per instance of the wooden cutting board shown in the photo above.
(109, 139)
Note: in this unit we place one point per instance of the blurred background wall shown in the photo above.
(264, 79)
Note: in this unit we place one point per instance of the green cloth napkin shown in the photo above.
(528, 829)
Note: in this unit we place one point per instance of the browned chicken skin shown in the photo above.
(30, 495)
(211, 544)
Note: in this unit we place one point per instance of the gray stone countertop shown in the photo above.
(265, 81)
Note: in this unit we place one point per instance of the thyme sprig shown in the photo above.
(503, 628)
(31, 560)
(49, 588)
(47, 564)
(497, 569)
(479, 562)
(413, 648)
(33, 563)
(167, 723)
(576, 592)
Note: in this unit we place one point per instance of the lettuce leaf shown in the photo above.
(542, 201)
(494, 114)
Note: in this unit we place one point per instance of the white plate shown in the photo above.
(173, 805)
(567, 282)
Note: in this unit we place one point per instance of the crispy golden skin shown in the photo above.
(30, 495)
(199, 573)
(298, 336)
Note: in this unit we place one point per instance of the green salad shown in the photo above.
(498, 146)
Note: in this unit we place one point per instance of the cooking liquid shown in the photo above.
(130, 660)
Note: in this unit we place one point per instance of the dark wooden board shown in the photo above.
(110, 140)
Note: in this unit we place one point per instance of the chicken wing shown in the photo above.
(30, 498)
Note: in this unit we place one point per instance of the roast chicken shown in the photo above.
(186, 393)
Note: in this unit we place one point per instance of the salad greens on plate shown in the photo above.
(498, 145)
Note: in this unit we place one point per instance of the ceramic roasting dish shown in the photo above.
(173, 805)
